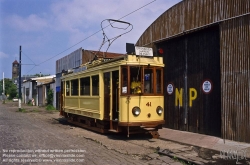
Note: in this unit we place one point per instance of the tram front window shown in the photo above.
(145, 80)
(135, 78)
(148, 81)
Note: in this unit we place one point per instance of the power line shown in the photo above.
(31, 69)
(92, 34)
(29, 58)
(137, 9)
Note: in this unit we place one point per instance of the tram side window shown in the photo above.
(124, 80)
(135, 78)
(95, 85)
(158, 81)
(67, 88)
(148, 81)
(85, 86)
(74, 87)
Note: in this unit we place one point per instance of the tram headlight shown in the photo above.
(136, 111)
(159, 110)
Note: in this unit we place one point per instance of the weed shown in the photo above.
(35, 110)
(22, 110)
(50, 108)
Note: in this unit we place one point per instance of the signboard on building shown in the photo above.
(207, 86)
(170, 88)
(143, 51)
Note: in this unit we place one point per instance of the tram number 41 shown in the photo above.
(148, 104)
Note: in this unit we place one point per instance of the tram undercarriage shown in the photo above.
(105, 126)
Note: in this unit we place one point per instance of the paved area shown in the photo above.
(39, 136)
(22, 134)
(40, 129)
(210, 149)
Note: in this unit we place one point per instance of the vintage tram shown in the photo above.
(123, 94)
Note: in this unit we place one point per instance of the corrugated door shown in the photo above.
(193, 68)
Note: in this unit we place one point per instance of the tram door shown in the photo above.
(115, 95)
(106, 95)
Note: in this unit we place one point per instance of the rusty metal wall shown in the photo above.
(189, 15)
(189, 61)
(233, 18)
(235, 78)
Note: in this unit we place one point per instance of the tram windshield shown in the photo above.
(144, 80)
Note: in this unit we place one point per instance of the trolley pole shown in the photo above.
(19, 88)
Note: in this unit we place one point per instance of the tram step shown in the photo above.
(113, 130)
(149, 129)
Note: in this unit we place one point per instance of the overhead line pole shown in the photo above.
(19, 88)
(3, 95)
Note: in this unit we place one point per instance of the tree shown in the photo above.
(10, 88)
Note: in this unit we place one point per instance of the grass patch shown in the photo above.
(29, 104)
(50, 108)
(35, 110)
(182, 161)
(21, 110)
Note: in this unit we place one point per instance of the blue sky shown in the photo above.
(55, 28)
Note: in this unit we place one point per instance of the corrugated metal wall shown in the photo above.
(70, 61)
(189, 61)
(235, 78)
(232, 16)
(191, 14)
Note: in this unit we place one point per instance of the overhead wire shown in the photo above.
(92, 35)
(28, 58)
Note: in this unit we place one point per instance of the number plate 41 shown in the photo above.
(148, 104)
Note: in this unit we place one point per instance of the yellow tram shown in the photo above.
(124, 94)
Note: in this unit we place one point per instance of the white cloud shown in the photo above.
(80, 17)
(3, 55)
(30, 23)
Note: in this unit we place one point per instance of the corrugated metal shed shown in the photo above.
(190, 15)
(233, 19)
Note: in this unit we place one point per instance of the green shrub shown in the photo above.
(50, 107)
(21, 110)
(29, 102)
(50, 97)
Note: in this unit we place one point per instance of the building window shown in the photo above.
(67, 88)
(85, 86)
(74, 87)
(95, 85)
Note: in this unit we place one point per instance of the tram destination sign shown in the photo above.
(143, 51)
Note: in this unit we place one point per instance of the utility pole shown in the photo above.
(3, 90)
(19, 88)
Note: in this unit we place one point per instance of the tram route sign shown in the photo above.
(143, 51)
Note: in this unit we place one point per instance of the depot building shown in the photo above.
(206, 51)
